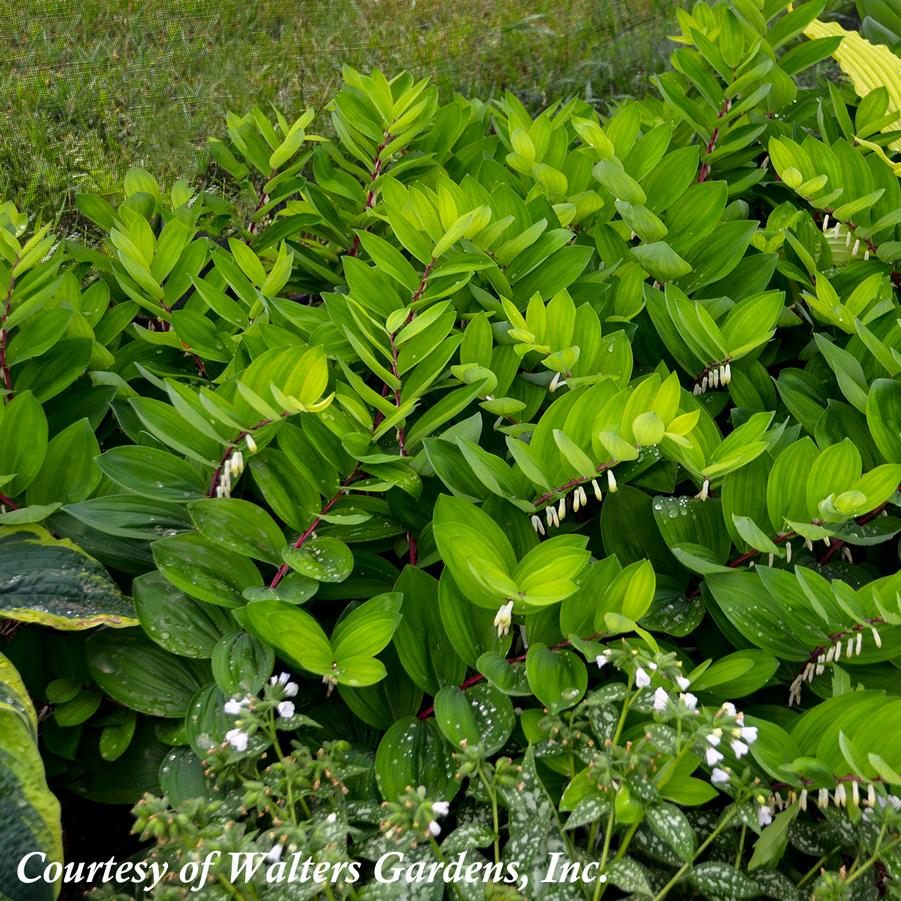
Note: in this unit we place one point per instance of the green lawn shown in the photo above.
(92, 87)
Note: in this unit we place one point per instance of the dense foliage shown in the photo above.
(556, 459)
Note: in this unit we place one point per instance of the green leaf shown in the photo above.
(413, 752)
(241, 664)
(175, 621)
(722, 880)
(55, 583)
(204, 569)
(671, 825)
(883, 408)
(479, 717)
(557, 678)
(23, 437)
(31, 815)
(143, 676)
(240, 526)
(152, 473)
(322, 559)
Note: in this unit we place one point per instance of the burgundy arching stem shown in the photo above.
(377, 165)
(711, 144)
(315, 524)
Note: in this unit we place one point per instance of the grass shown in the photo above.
(93, 87)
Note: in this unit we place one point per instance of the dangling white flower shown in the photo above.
(823, 798)
(728, 373)
(739, 748)
(237, 739)
(440, 808)
(583, 497)
(749, 734)
(280, 679)
(704, 493)
(434, 828)
(642, 679)
(840, 796)
(286, 709)
(788, 552)
(251, 444)
(764, 815)
(683, 683)
(503, 619)
(237, 462)
(712, 756)
(602, 659)
(859, 644)
(825, 222)
(290, 690)
(714, 737)
(802, 800)
(549, 515)
(719, 776)
(877, 638)
(577, 501)
(661, 699)
(611, 481)
(332, 817)
(537, 524)
(689, 700)
(561, 508)
(597, 490)
(871, 795)
(855, 793)
(275, 854)
(855, 248)
(728, 709)
(232, 706)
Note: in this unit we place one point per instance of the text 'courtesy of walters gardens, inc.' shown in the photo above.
(393, 867)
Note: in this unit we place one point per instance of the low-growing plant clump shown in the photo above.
(509, 509)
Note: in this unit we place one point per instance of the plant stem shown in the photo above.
(495, 821)
(608, 835)
(280, 574)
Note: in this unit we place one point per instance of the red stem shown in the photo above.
(377, 165)
(315, 523)
(711, 144)
(8, 502)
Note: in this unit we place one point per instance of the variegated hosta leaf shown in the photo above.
(54, 582)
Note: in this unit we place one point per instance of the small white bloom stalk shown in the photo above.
(611, 481)
(816, 665)
(503, 619)
(231, 469)
(719, 375)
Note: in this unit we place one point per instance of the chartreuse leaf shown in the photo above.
(557, 678)
(30, 820)
(55, 583)
(348, 658)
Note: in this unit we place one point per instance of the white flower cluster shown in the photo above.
(715, 377)
(852, 648)
(739, 737)
(503, 619)
(836, 231)
(237, 737)
(439, 809)
(233, 467)
(554, 515)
